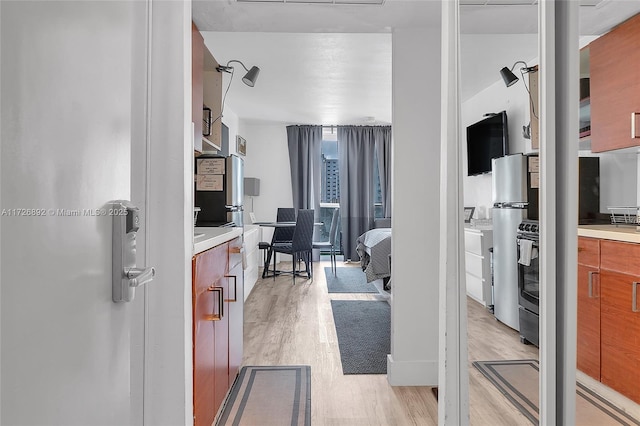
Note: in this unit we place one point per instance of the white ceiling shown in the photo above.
(331, 64)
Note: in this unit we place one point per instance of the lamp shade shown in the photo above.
(251, 186)
(251, 76)
(509, 78)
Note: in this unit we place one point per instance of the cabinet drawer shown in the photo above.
(589, 252)
(251, 239)
(235, 252)
(473, 242)
(474, 287)
(620, 257)
(474, 264)
(210, 266)
(250, 278)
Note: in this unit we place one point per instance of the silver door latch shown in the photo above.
(126, 275)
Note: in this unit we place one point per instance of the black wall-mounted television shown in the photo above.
(486, 139)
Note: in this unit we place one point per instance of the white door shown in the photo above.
(69, 110)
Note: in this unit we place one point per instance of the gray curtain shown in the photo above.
(382, 137)
(305, 147)
(356, 147)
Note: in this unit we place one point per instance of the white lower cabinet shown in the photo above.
(252, 257)
(477, 242)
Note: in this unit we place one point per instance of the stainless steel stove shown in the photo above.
(528, 280)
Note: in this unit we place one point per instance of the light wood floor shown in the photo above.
(286, 324)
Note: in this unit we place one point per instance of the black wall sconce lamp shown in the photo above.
(249, 78)
(510, 79)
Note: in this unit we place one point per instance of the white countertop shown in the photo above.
(625, 233)
(213, 237)
(477, 228)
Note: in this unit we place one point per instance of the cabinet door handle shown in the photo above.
(220, 314)
(634, 297)
(633, 125)
(235, 288)
(591, 274)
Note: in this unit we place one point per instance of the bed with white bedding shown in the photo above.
(374, 249)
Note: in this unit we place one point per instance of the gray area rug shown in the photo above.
(348, 280)
(518, 381)
(364, 335)
(269, 395)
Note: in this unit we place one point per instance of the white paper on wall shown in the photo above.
(209, 182)
(210, 166)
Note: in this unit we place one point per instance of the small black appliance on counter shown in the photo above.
(219, 190)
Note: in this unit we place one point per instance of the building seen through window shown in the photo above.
(330, 181)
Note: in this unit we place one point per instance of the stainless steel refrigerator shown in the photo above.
(219, 190)
(509, 190)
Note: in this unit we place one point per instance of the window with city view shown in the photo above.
(330, 189)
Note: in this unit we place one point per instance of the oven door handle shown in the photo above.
(535, 243)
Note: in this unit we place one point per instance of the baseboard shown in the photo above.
(412, 373)
(383, 294)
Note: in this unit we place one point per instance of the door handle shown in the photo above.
(591, 274)
(235, 288)
(125, 274)
(217, 316)
(634, 297)
(140, 276)
(633, 125)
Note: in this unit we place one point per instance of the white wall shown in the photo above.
(619, 176)
(618, 170)
(495, 98)
(268, 160)
(231, 120)
(416, 194)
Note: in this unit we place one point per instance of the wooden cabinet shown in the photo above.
(534, 110)
(210, 333)
(615, 87)
(620, 328)
(588, 344)
(206, 84)
(619, 317)
(608, 316)
(477, 243)
(217, 327)
(197, 84)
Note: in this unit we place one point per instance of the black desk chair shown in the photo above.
(331, 244)
(302, 243)
(280, 235)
